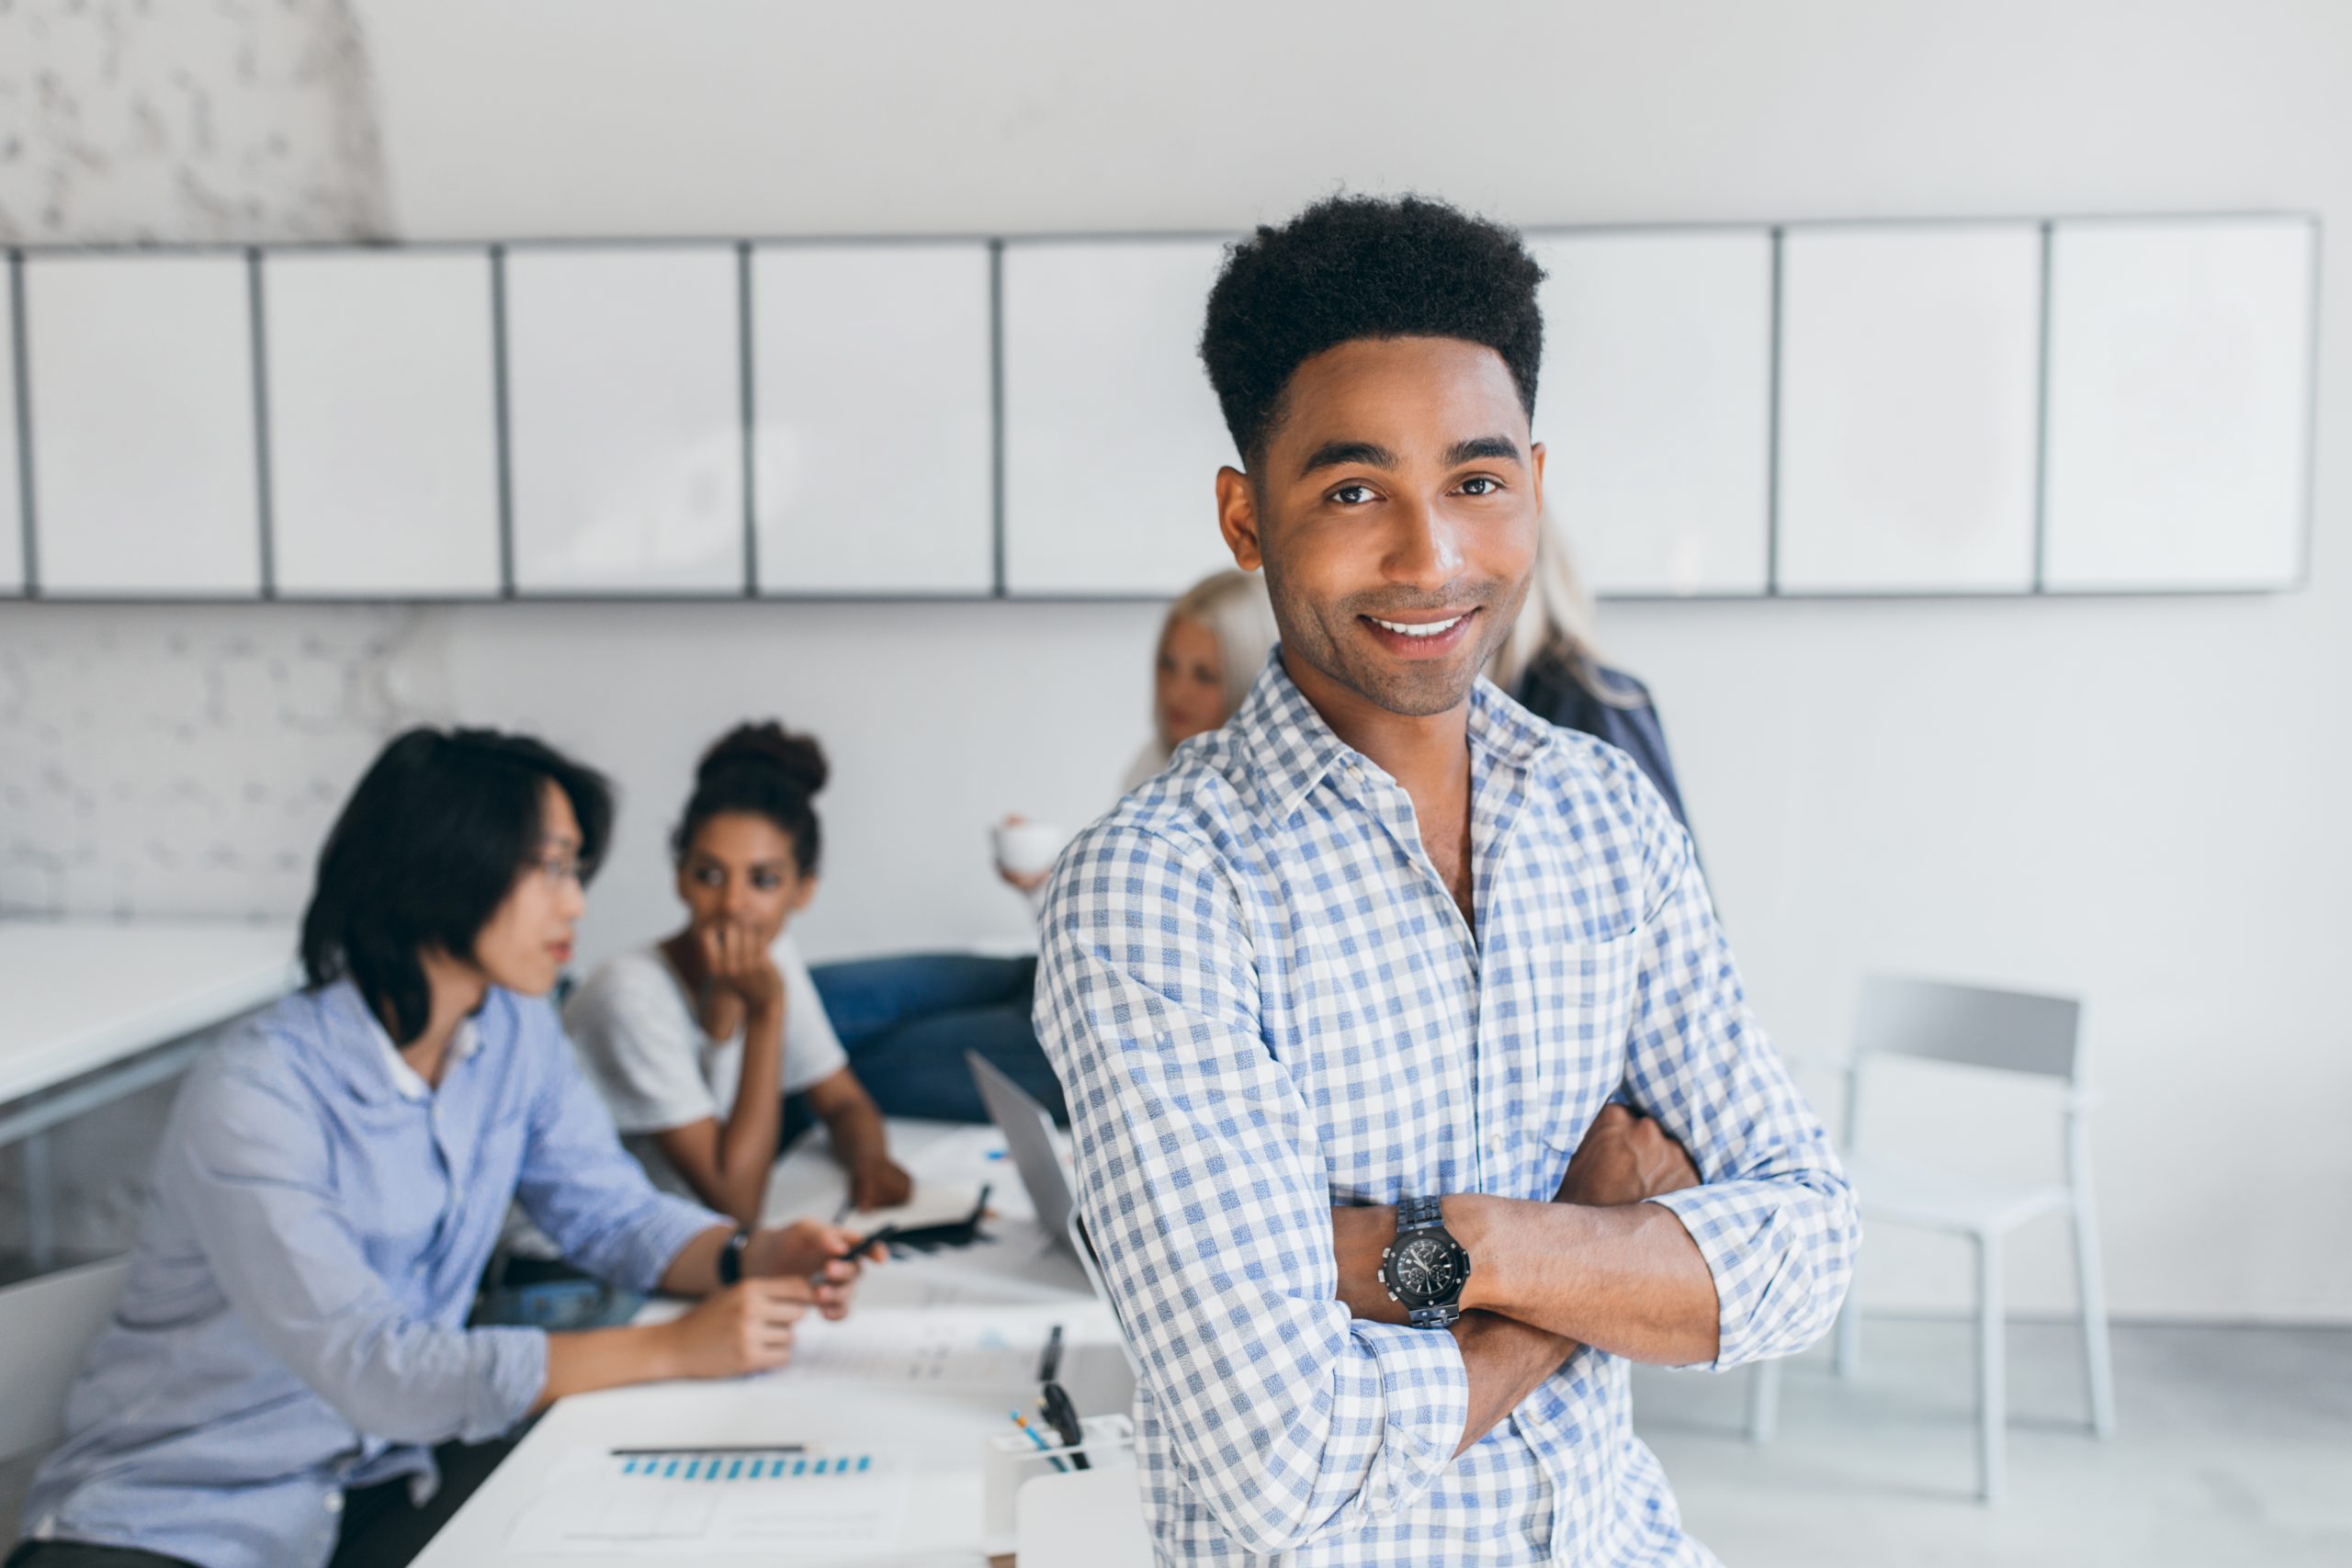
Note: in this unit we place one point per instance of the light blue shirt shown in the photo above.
(294, 1318)
(1263, 1001)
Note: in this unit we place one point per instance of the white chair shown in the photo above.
(2003, 1032)
(46, 1326)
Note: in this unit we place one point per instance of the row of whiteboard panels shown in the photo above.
(1954, 408)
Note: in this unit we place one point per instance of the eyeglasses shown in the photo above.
(560, 869)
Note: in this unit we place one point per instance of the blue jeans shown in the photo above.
(906, 1021)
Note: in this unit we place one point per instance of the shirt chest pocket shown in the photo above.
(1584, 1000)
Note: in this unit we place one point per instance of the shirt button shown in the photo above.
(334, 1502)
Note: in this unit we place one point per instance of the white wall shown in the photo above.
(2131, 800)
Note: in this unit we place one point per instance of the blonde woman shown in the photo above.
(1552, 664)
(1212, 645)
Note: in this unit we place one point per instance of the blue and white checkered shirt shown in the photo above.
(1264, 1002)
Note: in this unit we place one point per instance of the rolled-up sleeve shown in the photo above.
(253, 1173)
(1774, 1218)
(589, 1194)
(1202, 1190)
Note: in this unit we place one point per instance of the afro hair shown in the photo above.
(1352, 267)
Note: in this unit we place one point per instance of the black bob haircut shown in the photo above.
(760, 769)
(441, 826)
(1352, 267)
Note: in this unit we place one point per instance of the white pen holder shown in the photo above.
(1010, 1461)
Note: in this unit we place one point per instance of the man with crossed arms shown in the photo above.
(1344, 998)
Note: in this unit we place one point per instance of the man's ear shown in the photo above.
(1236, 517)
(1535, 463)
(801, 895)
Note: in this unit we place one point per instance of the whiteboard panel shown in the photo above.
(12, 521)
(625, 417)
(145, 472)
(1655, 407)
(1112, 436)
(1910, 365)
(383, 423)
(873, 467)
(2181, 375)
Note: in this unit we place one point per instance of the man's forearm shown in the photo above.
(1507, 1361)
(1627, 1280)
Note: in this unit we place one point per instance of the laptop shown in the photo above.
(1028, 1129)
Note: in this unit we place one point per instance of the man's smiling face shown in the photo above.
(1395, 509)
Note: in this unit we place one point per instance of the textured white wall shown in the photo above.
(2135, 800)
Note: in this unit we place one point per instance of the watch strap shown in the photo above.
(731, 1258)
(1419, 1214)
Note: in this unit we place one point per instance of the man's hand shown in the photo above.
(1625, 1158)
(743, 1328)
(878, 1182)
(808, 1250)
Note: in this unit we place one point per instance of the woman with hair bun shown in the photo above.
(696, 1039)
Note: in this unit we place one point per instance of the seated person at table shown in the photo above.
(696, 1039)
(908, 1019)
(292, 1346)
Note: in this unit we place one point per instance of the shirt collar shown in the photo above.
(366, 1055)
(1290, 747)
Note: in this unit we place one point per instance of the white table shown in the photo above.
(937, 1435)
(91, 1010)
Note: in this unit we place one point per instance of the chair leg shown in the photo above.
(1849, 1335)
(2099, 1368)
(1763, 1401)
(1992, 1406)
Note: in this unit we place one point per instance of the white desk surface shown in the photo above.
(938, 1436)
(79, 995)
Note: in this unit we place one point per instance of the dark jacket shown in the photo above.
(1550, 691)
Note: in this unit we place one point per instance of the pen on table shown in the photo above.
(1035, 1437)
(712, 1449)
(1051, 1361)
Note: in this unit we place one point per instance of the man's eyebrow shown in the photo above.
(1343, 454)
(1482, 448)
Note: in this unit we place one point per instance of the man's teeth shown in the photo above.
(1435, 628)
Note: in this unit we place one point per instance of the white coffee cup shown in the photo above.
(1025, 848)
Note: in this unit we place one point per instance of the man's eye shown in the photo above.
(1352, 495)
(766, 881)
(1482, 484)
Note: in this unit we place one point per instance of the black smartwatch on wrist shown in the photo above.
(731, 1259)
(1424, 1269)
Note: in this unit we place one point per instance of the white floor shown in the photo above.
(2232, 1446)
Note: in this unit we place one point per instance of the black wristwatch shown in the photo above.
(731, 1259)
(1424, 1269)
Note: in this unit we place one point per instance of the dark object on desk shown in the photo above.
(931, 1238)
(1051, 1363)
(1063, 1414)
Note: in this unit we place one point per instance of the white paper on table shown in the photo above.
(590, 1505)
(938, 1345)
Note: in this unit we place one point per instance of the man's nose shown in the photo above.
(1424, 551)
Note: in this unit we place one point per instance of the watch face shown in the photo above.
(1428, 1270)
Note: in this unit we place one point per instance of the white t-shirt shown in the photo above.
(640, 1041)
